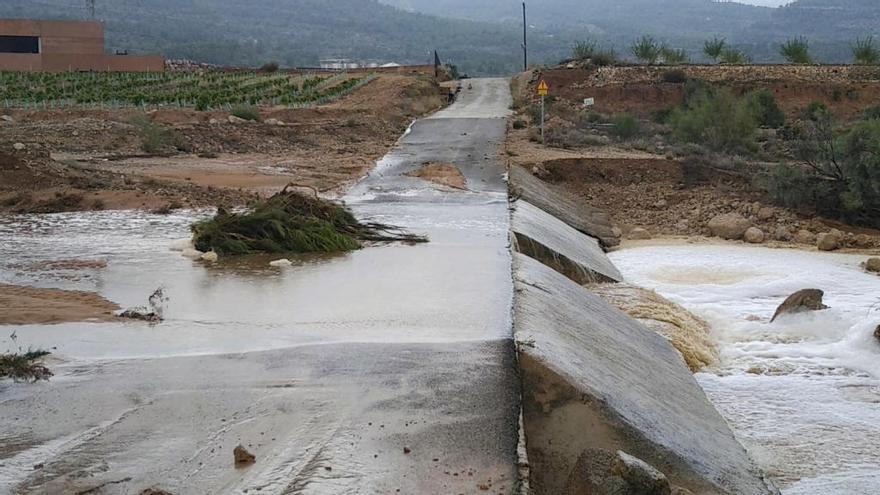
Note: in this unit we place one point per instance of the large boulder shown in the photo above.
(599, 471)
(800, 302)
(873, 265)
(754, 235)
(730, 226)
(805, 237)
(829, 241)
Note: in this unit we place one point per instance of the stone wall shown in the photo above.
(739, 73)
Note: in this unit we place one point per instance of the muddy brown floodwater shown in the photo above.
(389, 368)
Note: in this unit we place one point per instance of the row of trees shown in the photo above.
(796, 51)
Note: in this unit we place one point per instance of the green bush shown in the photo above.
(716, 119)
(816, 111)
(583, 50)
(838, 174)
(625, 127)
(871, 113)
(732, 56)
(865, 52)
(714, 48)
(796, 51)
(672, 56)
(246, 112)
(154, 138)
(767, 111)
(646, 49)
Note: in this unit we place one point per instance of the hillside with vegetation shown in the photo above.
(294, 32)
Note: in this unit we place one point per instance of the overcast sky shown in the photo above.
(766, 3)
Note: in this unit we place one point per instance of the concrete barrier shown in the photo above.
(583, 218)
(595, 380)
(542, 236)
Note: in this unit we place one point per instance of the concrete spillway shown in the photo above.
(596, 382)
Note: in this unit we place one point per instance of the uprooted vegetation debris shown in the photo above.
(293, 222)
(24, 367)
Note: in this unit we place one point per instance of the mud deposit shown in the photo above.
(803, 393)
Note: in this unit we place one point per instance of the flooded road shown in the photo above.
(802, 393)
(386, 370)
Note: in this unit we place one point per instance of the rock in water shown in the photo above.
(243, 457)
(210, 257)
(873, 265)
(282, 263)
(877, 332)
(829, 241)
(730, 226)
(754, 235)
(801, 301)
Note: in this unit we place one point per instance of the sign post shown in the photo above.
(543, 91)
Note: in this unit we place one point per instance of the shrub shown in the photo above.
(871, 113)
(838, 176)
(672, 56)
(864, 51)
(676, 76)
(732, 56)
(796, 51)
(625, 127)
(246, 112)
(714, 48)
(570, 137)
(604, 57)
(767, 111)
(583, 50)
(717, 120)
(816, 111)
(646, 50)
(519, 124)
(270, 67)
(153, 136)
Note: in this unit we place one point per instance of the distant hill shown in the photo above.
(294, 32)
(831, 25)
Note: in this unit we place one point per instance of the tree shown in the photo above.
(864, 51)
(714, 48)
(646, 49)
(796, 51)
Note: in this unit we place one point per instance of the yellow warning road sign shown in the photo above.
(543, 88)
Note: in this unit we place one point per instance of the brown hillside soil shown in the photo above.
(34, 306)
(845, 98)
(666, 197)
(77, 159)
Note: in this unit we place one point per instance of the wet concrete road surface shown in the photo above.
(387, 370)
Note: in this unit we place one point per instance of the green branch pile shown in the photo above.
(291, 222)
(26, 367)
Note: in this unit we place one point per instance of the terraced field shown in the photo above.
(202, 90)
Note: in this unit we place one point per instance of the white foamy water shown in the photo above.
(802, 393)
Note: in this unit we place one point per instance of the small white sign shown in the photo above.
(588, 102)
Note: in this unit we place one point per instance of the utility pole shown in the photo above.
(525, 45)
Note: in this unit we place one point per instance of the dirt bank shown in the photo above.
(35, 306)
(79, 159)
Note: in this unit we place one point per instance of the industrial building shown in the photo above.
(58, 46)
